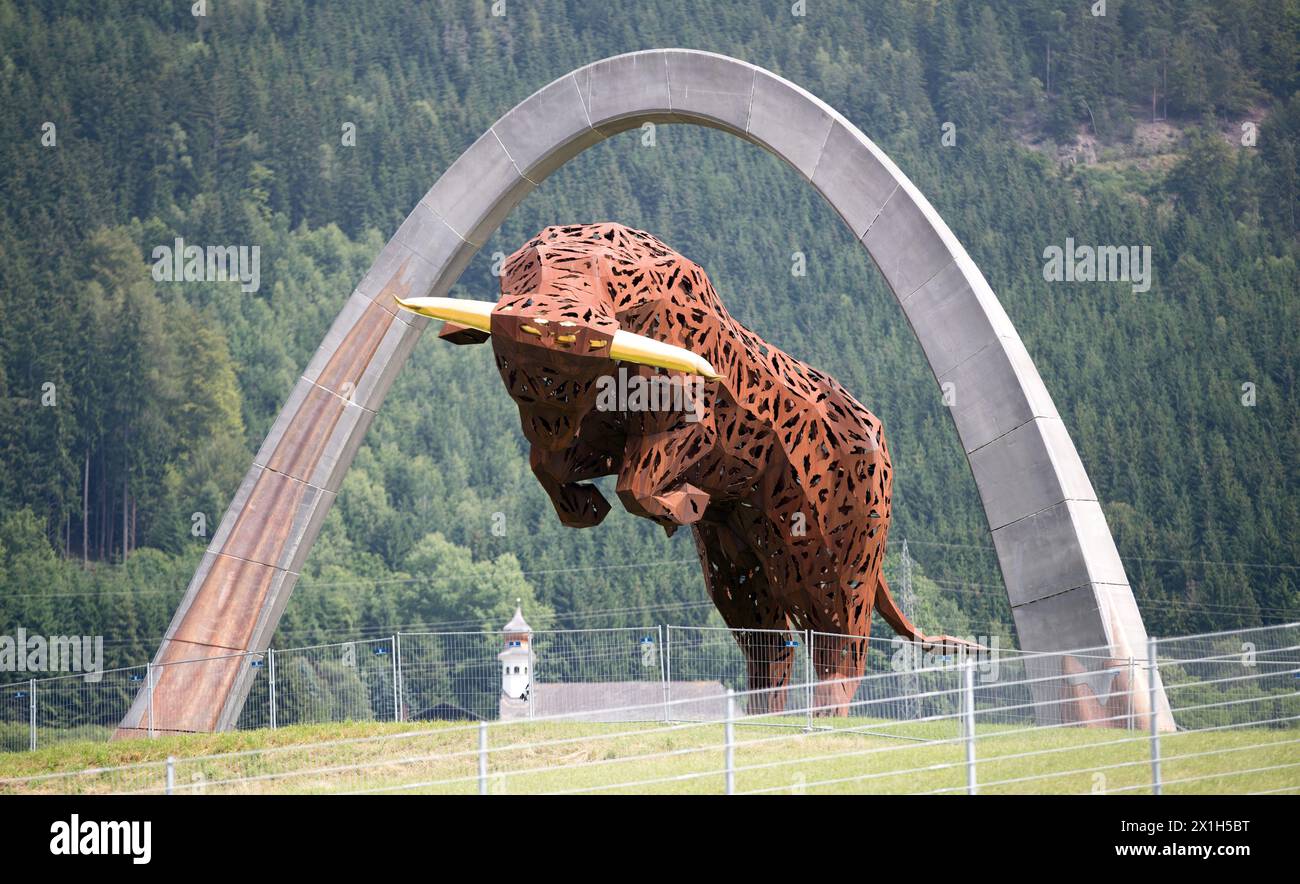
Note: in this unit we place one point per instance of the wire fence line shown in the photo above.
(649, 708)
(409, 676)
(974, 747)
(455, 675)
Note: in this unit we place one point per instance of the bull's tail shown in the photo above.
(897, 621)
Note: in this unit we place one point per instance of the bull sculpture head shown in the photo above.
(551, 351)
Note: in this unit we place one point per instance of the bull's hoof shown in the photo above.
(584, 507)
(684, 505)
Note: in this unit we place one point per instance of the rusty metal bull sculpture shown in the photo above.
(782, 475)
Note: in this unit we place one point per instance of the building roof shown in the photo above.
(608, 700)
(517, 623)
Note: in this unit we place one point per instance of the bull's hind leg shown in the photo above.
(840, 648)
(740, 590)
(839, 662)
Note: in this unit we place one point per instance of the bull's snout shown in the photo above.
(564, 336)
(549, 430)
(551, 368)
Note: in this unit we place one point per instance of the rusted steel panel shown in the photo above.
(241, 583)
(191, 684)
(349, 363)
(304, 440)
(222, 616)
(265, 524)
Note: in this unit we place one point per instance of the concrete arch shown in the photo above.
(1066, 583)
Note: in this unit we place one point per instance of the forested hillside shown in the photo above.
(129, 405)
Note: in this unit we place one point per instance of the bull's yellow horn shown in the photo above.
(626, 346)
(636, 348)
(462, 311)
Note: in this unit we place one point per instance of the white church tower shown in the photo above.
(516, 658)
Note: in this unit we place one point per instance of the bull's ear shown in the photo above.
(460, 334)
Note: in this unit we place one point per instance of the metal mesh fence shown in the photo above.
(16, 717)
(904, 681)
(943, 753)
(85, 707)
(995, 735)
(1229, 678)
(1086, 687)
(675, 673)
(900, 683)
(702, 660)
(458, 676)
(257, 711)
(348, 681)
(587, 671)
(450, 676)
(171, 697)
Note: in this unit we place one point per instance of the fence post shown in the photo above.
(810, 670)
(171, 775)
(729, 743)
(1153, 697)
(148, 675)
(968, 698)
(1132, 681)
(270, 674)
(668, 674)
(532, 676)
(663, 668)
(397, 654)
(31, 711)
(397, 712)
(482, 758)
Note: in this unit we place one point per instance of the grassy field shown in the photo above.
(846, 756)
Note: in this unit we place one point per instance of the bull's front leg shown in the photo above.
(650, 480)
(562, 474)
